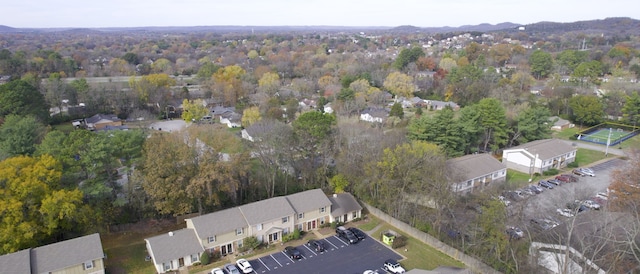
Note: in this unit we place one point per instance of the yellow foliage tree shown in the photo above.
(228, 79)
(269, 82)
(250, 116)
(399, 84)
(193, 110)
(150, 87)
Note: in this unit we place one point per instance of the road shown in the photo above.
(595, 147)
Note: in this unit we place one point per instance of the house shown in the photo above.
(231, 119)
(536, 90)
(439, 105)
(475, 172)
(560, 124)
(311, 209)
(307, 104)
(344, 208)
(418, 102)
(99, 121)
(374, 115)
(173, 250)
(328, 108)
(224, 231)
(218, 111)
(539, 156)
(79, 255)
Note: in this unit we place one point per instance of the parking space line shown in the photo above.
(276, 260)
(264, 264)
(345, 243)
(289, 257)
(330, 243)
(310, 250)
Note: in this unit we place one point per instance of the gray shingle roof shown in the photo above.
(219, 222)
(60, 255)
(475, 165)
(99, 117)
(308, 200)
(266, 210)
(546, 148)
(183, 243)
(343, 203)
(16, 263)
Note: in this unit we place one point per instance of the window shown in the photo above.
(167, 266)
(300, 227)
(300, 215)
(469, 183)
(322, 209)
(239, 243)
(355, 214)
(285, 219)
(259, 227)
(239, 231)
(321, 222)
(211, 239)
(88, 265)
(194, 258)
(285, 231)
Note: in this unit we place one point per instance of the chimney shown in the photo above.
(335, 195)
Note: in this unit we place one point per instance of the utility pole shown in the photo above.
(606, 151)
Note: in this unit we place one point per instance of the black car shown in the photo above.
(346, 235)
(359, 234)
(293, 253)
(317, 245)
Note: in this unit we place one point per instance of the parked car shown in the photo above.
(555, 182)
(393, 266)
(370, 272)
(591, 204)
(346, 234)
(544, 224)
(515, 232)
(231, 269)
(536, 189)
(317, 245)
(293, 253)
(359, 234)
(545, 184)
(565, 212)
(564, 179)
(588, 172)
(578, 171)
(577, 207)
(244, 266)
(527, 191)
(216, 270)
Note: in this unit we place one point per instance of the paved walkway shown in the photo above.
(611, 150)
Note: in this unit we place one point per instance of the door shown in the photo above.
(226, 249)
(313, 224)
(344, 220)
(181, 262)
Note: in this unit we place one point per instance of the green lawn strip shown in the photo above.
(566, 134)
(129, 259)
(418, 254)
(517, 179)
(370, 224)
(64, 127)
(586, 156)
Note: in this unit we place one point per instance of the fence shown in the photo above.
(472, 263)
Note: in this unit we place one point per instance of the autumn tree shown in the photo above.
(152, 88)
(400, 84)
(228, 81)
(269, 83)
(587, 109)
(35, 210)
(194, 110)
(250, 116)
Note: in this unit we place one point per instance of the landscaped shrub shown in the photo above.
(205, 259)
(550, 172)
(291, 236)
(399, 241)
(573, 165)
(215, 256)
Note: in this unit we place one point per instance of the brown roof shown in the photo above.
(475, 165)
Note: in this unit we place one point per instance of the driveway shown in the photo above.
(169, 125)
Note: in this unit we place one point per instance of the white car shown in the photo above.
(216, 270)
(591, 204)
(244, 266)
(603, 196)
(393, 266)
(370, 272)
(565, 212)
(588, 172)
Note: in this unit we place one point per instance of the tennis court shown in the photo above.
(601, 136)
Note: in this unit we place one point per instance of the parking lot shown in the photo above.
(544, 205)
(339, 257)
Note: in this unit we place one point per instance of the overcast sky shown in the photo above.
(421, 13)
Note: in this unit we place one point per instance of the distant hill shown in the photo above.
(617, 25)
(614, 25)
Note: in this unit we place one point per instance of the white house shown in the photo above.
(539, 156)
(374, 115)
(476, 171)
(174, 250)
(344, 208)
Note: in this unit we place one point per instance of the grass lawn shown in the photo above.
(419, 254)
(517, 179)
(370, 224)
(64, 127)
(566, 134)
(587, 156)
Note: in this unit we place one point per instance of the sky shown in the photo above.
(389, 13)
